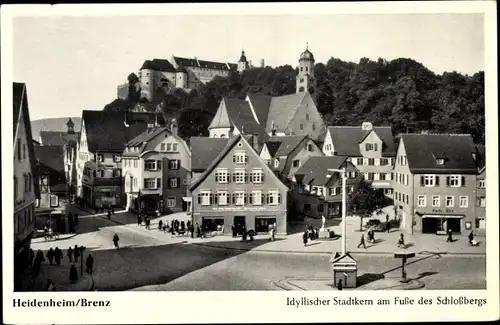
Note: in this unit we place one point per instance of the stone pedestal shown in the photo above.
(324, 234)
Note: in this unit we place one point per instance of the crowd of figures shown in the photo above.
(56, 257)
(310, 233)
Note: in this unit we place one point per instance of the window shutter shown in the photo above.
(463, 181)
(262, 176)
(158, 182)
(421, 180)
(216, 198)
(178, 182)
(228, 177)
(234, 177)
(279, 198)
(267, 198)
(246, 159)
(233, 196)
(158, 164)
(178, 164)
(448, 181)
(234, 158)
(245, 198)
(246, 177)
(250, 198)
(216, 177)
(262, 198)
(437, 180)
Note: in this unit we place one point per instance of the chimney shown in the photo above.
(262, 65)
(174, 128)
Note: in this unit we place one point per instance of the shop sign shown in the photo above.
(242, 208)
(443, 210)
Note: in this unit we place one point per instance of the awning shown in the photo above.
(440, 216)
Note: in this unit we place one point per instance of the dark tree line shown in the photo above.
(401, 93)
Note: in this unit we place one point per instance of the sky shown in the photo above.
(74, 63)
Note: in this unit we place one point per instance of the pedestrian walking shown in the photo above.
(76, 253)
(50, 255)
(58, 256)
(387, 223)
(70, 254)
(39, 255)
(75, 219)
(339, 284)
(73, 274)
(191, 230)
(198, 230)
(160, 225)
(304, 238)
(148, 222)
(188, 225)
(233, 230)
(116, 240)
(401, 241)
(471, 237)
(183, 226)
(109, 213)
(244, 231)
(450, 236)
(89, 263)
(139, 220)
(362, 241)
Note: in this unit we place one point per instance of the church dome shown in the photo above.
(307, 55)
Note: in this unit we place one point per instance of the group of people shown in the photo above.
(310, 233)
(55, 257)
(143, 219)
(176, 227)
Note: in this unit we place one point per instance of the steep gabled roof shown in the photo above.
(240, 114)
(346, 139)
(20, 106)
(143, 138)
(107, 131)
(456, 149)
(231, 143)
(272, 147)
(282, 109)
(261, 104)
(315, 169)
(204, 150)
(50, 160)
(481, 156)
(287, 144)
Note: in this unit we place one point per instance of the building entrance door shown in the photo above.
(262, 223)
(239, 222)
(453, 224)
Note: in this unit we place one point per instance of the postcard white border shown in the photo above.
(210, 307)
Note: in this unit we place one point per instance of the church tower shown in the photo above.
(242, 63)
(306, 82)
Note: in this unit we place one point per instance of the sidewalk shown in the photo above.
(41, 239)
(60, 276)
(385, 243)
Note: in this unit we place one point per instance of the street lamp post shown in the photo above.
(342, 173)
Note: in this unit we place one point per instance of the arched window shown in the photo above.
(301, 89)
(307, 117)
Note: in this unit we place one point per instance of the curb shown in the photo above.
(58, 239)
(329, 253)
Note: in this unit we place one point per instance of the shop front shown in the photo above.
(441, 224)
(221, 219)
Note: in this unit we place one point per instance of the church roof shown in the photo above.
(307, 55)
(158, 65)
(282, 109)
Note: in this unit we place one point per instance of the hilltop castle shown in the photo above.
(180, 72)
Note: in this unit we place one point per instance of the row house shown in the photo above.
(435, 181)
(26, 191)
(68, 140)
(103, 136)
(481, 188)
(286, 154)
(238, 188)
(370, 149)
(319, 191)
(52, 183)
(156, 170)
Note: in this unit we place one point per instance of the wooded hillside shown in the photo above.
(401, 93)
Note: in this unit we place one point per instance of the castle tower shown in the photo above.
(181, 77)
(306, 82)
(147, 80)
(242, 63)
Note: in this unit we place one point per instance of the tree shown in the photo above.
(364, 200)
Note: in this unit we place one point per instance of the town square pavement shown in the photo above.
(153, 260)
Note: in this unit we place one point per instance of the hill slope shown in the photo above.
(53, 124)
